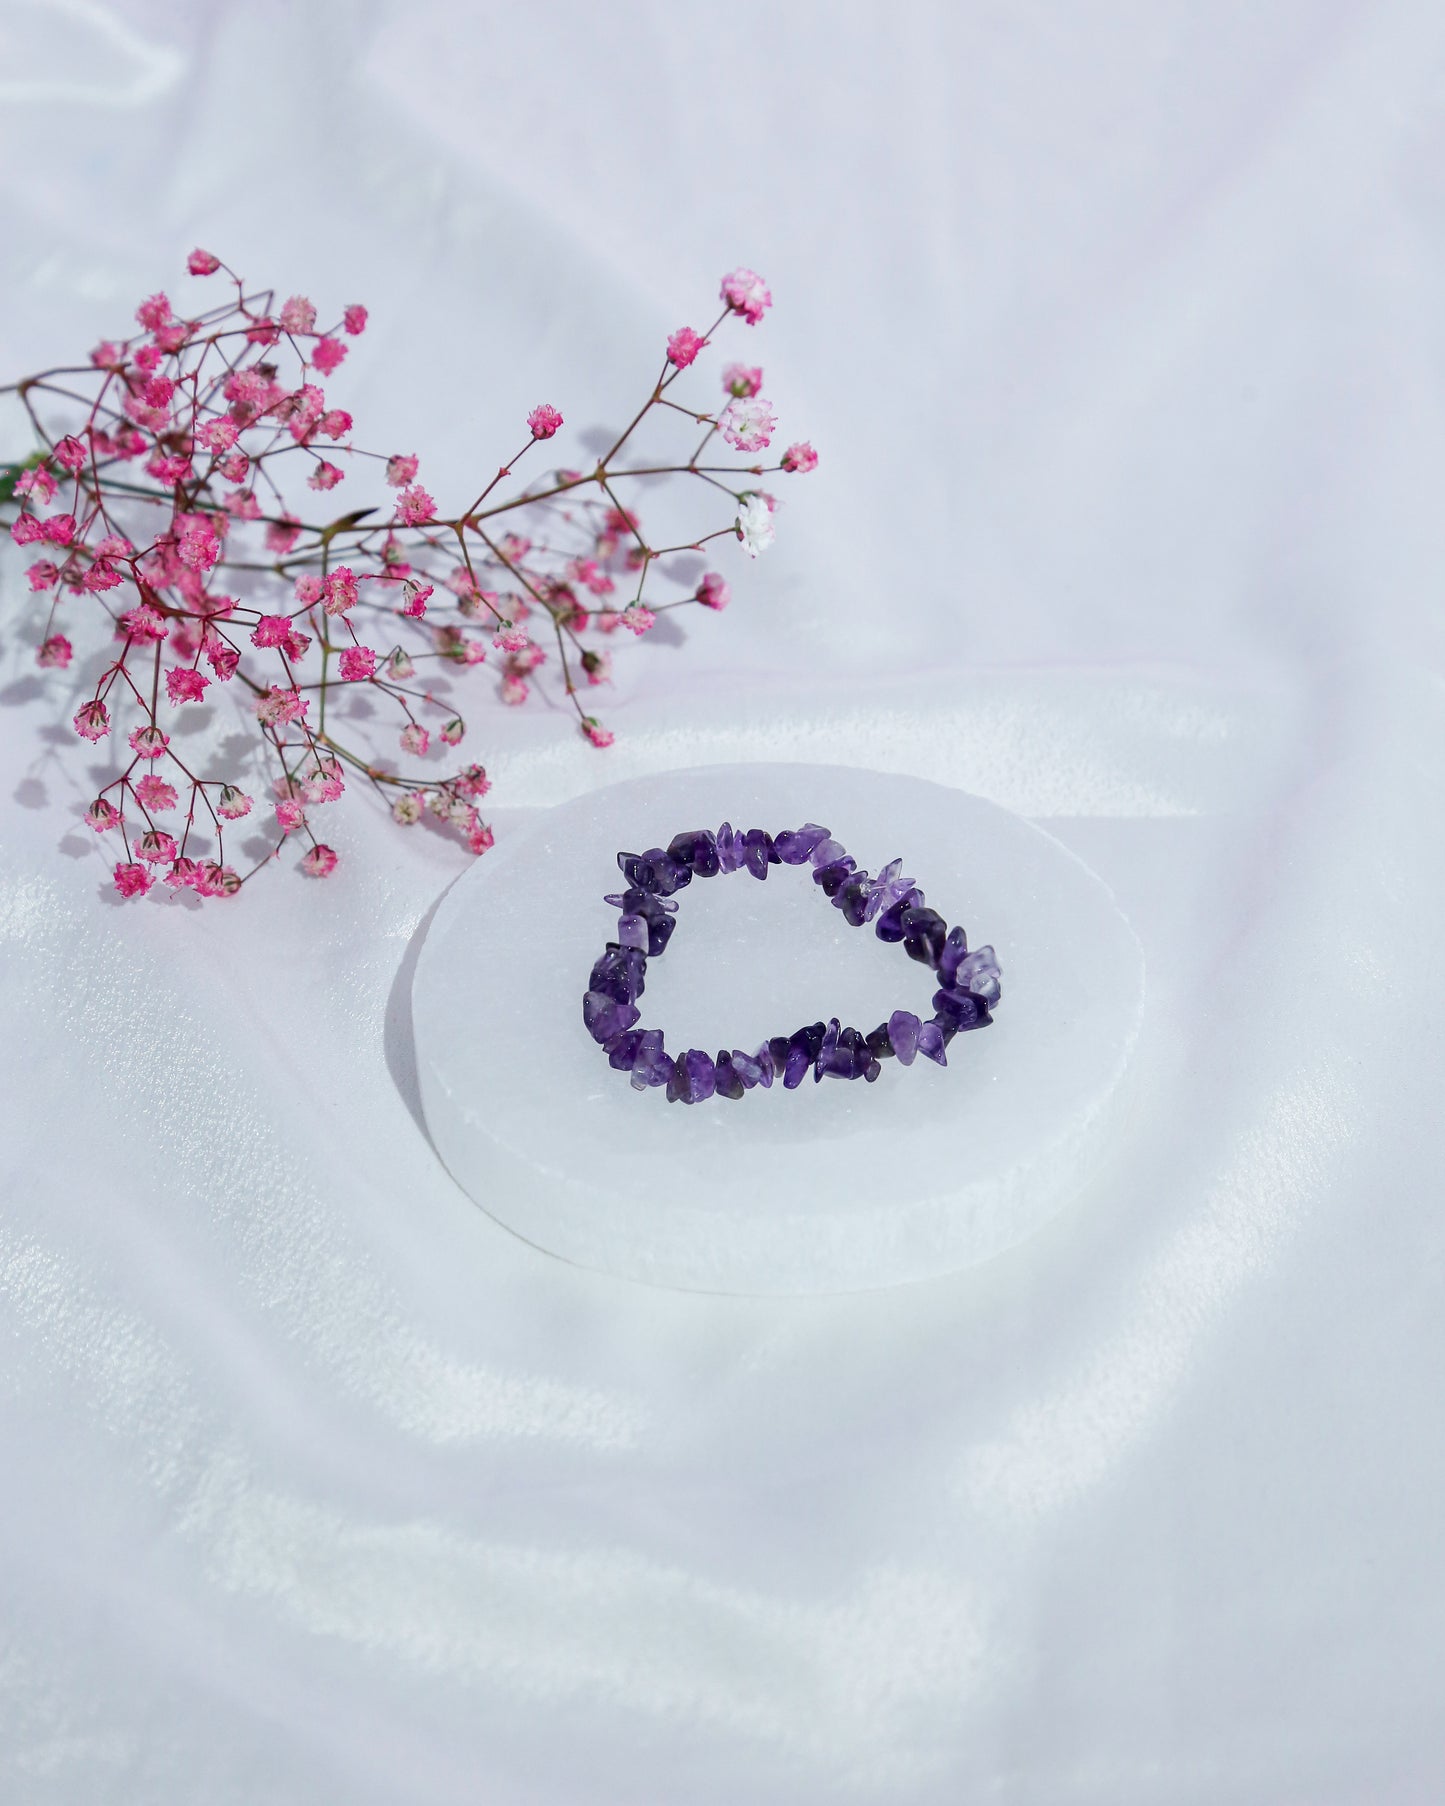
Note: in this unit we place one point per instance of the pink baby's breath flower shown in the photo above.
(54, 653)
(336, 423)
(185, 684)
(401, 469)
(683, 347)
(154, 311)
(747, 294)
(27, 531)
(222, 659)
(102, 815)
(183, 874)
(514, 690)
(325, 476)
(298, 315)
(354, 319)
(414, 598)
(281, 535)
(106, 356)
(101, 576)
(59, 529)
(43, 575)
(91, 721)
(144, 623)
(481, 839)
(638, 619)
(327, 355)
(280, 705)
(414, 738)
(511, 639)
(452, 731)
(290, 815)
(749, 424)
(132, 880)
(233, 803)
(309, 591)
(399, 666)
(544, 421)
(71, 453)
(218, 435)
(406, 810)
(472, 781)
(198, 547)
(742, 380)
(597, 665)
(235, 467)
(38, 484)
(271, 630)
(201, 263)
(595, 732)
(340, 590)
(320, 862)
(148, 742)
(157, 847)
(357, 663)
(154, 793)
(713, 591)
(800, 457)
(414, 506)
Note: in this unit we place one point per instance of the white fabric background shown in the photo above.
(1118, 326)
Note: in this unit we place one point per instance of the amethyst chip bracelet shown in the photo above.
(968, 982)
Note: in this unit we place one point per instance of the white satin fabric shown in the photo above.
(1118, 330)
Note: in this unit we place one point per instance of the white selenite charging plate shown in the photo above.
(836, 1186)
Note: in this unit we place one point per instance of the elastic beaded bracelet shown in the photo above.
(969, 985)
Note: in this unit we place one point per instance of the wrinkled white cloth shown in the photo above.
(1118, 331)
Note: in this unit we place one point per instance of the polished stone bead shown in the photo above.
(931, 1043)
(830, 878)
(767, 1066)
(803, 1047)
(632, 932)
(826, 1053)
(696, 849)
(621, 972)
(731, 852)
(750, 1068)
(657, 912)
(871, 1070)
(758, 851)
(889, 888)
(855, 897)
(889, 926)
(654, 871)
(694, 1078)
(777, 1048)
(727, 1080)
(979, 972)
(903, 1027)
(879, 1045)
(954, 949)
(827, 851)
(622, 1049)
(960, 1010)
(605, 1016)
(795, 845)
(843, 1054)
(924, 932)
(650, 1065)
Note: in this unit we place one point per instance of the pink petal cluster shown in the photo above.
(683, 347)
(544, 421)
(748, 425)
(747, 294)
(800, 457)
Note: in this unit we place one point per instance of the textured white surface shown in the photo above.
(832, 1188)
(1118, 328)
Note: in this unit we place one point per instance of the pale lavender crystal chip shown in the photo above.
(795, 845)
(826, 853)
(605, 1016)
(632, 932)
(979, 972)
(731, 852)
(650, 1064)
(931, 1043)
(903, 1032)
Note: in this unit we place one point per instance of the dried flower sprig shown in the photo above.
(171, 501)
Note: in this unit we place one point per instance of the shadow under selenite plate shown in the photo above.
(836, 1186)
